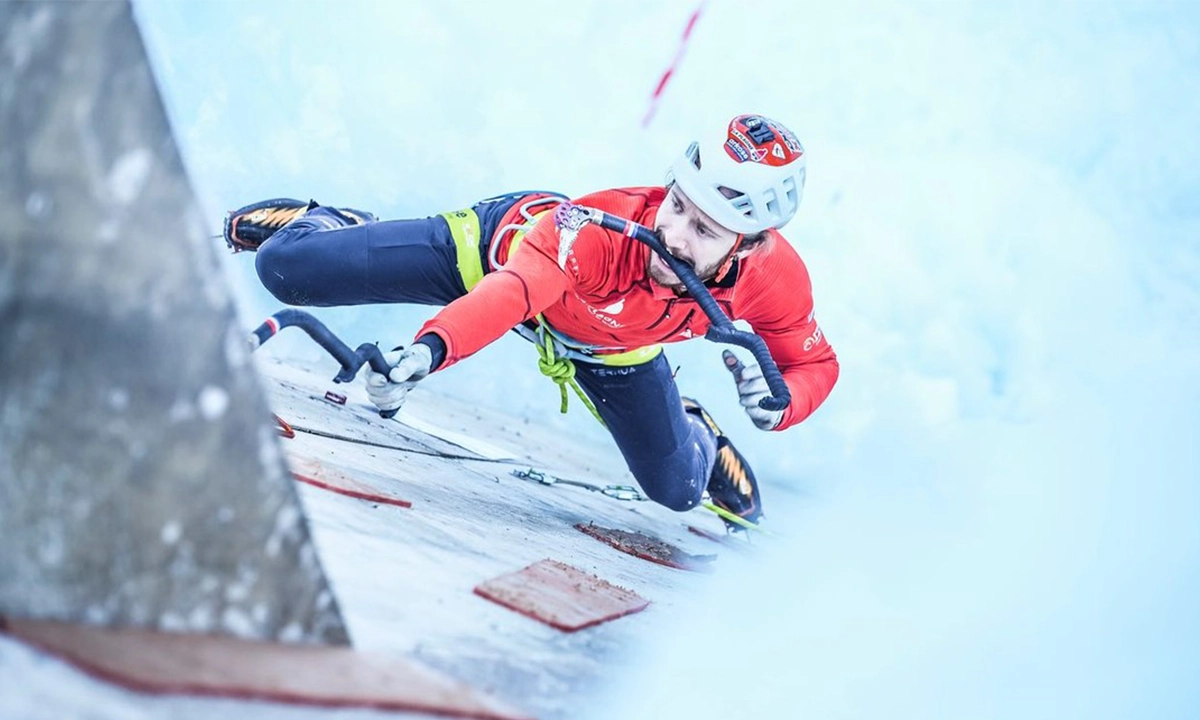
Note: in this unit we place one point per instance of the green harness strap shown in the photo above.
(561, 370)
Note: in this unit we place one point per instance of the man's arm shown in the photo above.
(777, 301)
(809, 366)
(529, 283)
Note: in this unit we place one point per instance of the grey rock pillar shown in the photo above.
(141, 482)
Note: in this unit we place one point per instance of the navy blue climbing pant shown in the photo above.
(319, 260)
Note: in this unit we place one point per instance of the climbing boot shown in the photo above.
(249, 227)
(731, 485)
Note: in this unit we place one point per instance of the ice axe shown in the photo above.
(570, 219)
(350, 360)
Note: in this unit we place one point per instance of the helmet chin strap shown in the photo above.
(725, 266)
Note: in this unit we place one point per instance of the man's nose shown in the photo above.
(670, 239)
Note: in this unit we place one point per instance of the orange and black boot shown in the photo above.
(731, 485)
(248, 227)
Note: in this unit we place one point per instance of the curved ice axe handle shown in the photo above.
(570, 218)
(350, 360)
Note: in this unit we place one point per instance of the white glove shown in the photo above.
(752, 387)
(408, 366)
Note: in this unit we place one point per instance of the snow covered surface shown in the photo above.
(996, 513)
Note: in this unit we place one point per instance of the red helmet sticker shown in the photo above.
(754, 138)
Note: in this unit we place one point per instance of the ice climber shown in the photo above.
(605, 307)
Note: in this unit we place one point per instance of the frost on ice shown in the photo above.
(213, 401)
(129, 174)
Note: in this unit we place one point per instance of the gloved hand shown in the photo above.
(408, 366)
(752, 387)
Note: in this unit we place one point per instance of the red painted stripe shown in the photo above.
(656, 96)
(662, 82)
(285, 430)
(371, 497)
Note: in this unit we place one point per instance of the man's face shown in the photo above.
(690, 236)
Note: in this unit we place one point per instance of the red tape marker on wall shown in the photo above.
(666, 76)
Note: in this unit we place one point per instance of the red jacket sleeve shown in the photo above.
(777, 302)
(530, 282)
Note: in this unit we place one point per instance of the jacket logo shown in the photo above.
(599, 315)
(811, 341)
(603, 313)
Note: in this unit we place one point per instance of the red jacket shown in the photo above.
(603, 296)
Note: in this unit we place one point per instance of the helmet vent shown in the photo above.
(743, 205)
(789, 187)
(772, 202)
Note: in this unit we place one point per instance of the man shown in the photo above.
(600, 306)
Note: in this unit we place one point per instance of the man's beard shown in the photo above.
(662, 275)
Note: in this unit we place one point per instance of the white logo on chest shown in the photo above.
(603, 313)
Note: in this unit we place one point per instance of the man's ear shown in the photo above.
(750, 244)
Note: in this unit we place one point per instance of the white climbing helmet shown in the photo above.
(749, 178)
